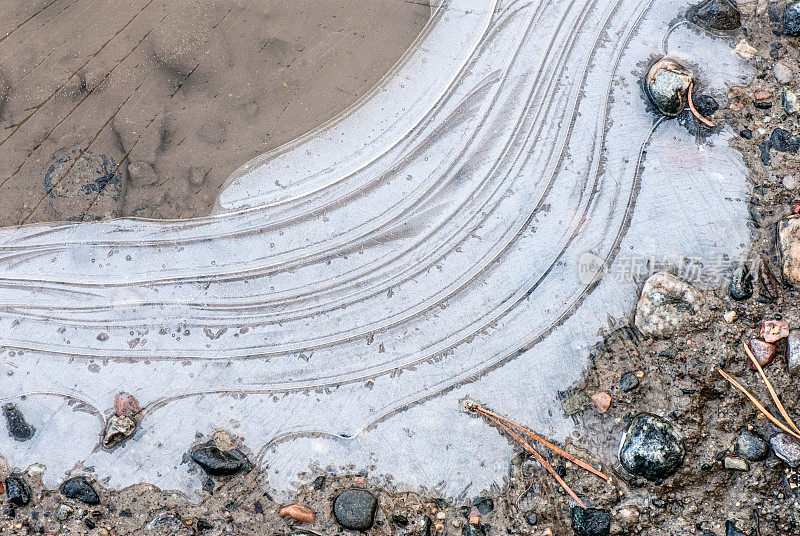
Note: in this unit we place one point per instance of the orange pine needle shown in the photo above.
(772, 392)
(543, 441)
(694, 110)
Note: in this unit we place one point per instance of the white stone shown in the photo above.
(782, 72)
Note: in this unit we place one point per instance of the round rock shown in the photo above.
(752, 446)
(786, 448)
(667, 86)
(590, 521)
(355, 509)
(80, 489)
(651, 448)
(668, 306)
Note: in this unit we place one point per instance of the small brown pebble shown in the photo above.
(474, 520)
(601, 401)
(764, 352)
(299, 512)
(774, 330)
(770, 288)
(126, 405)
(763, 94)
(736, 106)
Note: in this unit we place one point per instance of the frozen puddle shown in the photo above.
(355, 285)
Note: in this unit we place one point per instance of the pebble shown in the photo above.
(80, 489)
(791, 19)
(18, 427)
(601, 401)
(718, 15)
(484, 505)
(734, 463)
(731, 530)
(764, 353)
(752, 446)
(789, 182)
(782, 141)
(787, 448)
(299, 512)
(126, 405)
(667, 86)
(355, 509)
(629, 382)
(762, 95)
(575, 403)
(745, 50)
(118, 428)
(531, 518)
(789, 245)
(789, 102)
(18, 492)
(668, 306)
(741, 283)
(782, 73)
(216, 461)
(64, 511)
(774, 330)
(590, 521)
(168, 523)
(400, 520)
(628, 516)
(474, 529)
(651, 448)
(793, 357)
(730, 316)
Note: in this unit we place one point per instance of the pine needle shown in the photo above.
(772, 392)
(694, 110)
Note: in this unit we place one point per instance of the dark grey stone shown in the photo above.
(531, 518)
(752, 446)
(80, 489)
(590, 521)
(355, 509)
(628, 382)
(217, 462)
(484, 505)
(716, 15)
(18, 427)
(741, 283)
(18, 492)
(791, 19)
(651, 448)
(731, 530)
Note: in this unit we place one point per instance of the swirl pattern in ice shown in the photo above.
(354, 285)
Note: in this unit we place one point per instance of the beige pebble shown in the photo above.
(298, 512)
(601, 401)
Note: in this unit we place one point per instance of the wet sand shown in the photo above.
(144, 108)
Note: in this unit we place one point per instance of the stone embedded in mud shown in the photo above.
(168, 523)
(752, 446)
(127, 406)
(791, 19)
(789, 245)
(118, 428)
(787, 448)
(629, 382)
(355, 509)
(667, 85)
(793, 357)
(218, 462)
(782, 141)
(782, 73)
(789, 102)
(651, 448)
(741, 283)
(590, 521)
(474, 529)
(601, 401)
(575, 403)
(18, 427)
(764, 353)
(731, 530)
(719, 15)
(734, 463)
(299, 512)
(80, 489)
(64, 511)
(484, 505)
(668, 306)
(18, 492)
(774, 330)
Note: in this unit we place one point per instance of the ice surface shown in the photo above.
(353, 286)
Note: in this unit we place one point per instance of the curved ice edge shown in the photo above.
(436, 258)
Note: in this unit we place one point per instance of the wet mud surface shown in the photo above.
(144, 108)
(675, 378)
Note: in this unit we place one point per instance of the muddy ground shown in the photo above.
(145, 107)
(677, 378)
